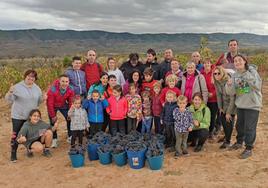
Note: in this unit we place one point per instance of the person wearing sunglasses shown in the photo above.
(226, 104)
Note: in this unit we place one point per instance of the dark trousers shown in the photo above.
(94, 128)
(246, 125)
(158, 127)
(170, 135)
(198, 137)
(213, 106)
(16, 126)
(117, 126)
(64, 112)
(131, 124)
(227, 127)
(77, 134)
(106, 121)
(218, 121)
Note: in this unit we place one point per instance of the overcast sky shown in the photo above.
(140, 16)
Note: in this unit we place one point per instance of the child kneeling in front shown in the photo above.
(183, 120)
(36, 134)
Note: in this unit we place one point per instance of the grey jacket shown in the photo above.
(24, 99)
(225, 102)
(79, 119)
(199, 85)
(247, 87)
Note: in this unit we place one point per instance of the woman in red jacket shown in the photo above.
(117, 110)
(59, 98)
(207, 72)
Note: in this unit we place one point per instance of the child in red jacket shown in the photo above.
(117, 110)
(171, 81)
(157, 108)
(148, 82)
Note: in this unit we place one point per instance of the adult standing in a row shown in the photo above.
(151, 62)
(24, 96)
(246, 84)
(91, 68)
(132, 64)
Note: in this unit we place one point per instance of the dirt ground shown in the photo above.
(209, 168)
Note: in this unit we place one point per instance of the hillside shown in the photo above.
(49, 42)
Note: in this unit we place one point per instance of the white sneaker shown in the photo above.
(69, 139)
(54, 143)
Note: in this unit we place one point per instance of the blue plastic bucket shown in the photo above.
(120, 159)
(77, 160)
(136, 160)
(156, 162)
(105, 158)
(92, 152)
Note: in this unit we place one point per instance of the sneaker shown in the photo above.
(225, 145)
(198, 148)
(47, 153)
(246, 154)
(29, 154)
(185, 153)
(177, 154)
(69, 139)
(54, 143)
(172, 149)
(236, 146)
(13, 157)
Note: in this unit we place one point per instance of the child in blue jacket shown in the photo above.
(95, 107)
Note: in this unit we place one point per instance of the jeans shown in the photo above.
(16, 126)
(64, 112)
(170, 134)
(146, 125)
(246, 125)
(131, 124)
(117, 126)
(227, 127)
(94, 128)
(181, 141)
(213, 110)
(158, 127)
(198, 137)
(77, 134)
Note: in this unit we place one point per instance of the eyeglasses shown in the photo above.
(217, 73)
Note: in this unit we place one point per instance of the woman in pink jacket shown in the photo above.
(117, 110)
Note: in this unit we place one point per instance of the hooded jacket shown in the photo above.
(95, 110)
(247, 87)
(77, 81)
(202, 115)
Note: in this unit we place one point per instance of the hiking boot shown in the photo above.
(236, 146)
(245, 154)
(13, 157)
(54, 143)
(225, 145)
(198, 148)
(47, 153)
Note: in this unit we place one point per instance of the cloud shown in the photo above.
(140, 16)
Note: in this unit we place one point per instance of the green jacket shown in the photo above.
(202, 115)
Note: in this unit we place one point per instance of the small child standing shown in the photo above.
(157, 108)
(183, 121)
(168, 121)
(117, 110)
(95, 107)
(134, 108)
(79, 121)
(146, 112)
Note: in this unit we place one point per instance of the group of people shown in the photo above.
(187, 106)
